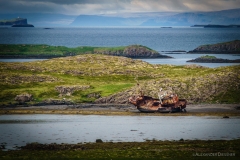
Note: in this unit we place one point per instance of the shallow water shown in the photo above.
(181, 59)
(178, 59)
(17, 130)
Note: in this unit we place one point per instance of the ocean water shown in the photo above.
(159, 39)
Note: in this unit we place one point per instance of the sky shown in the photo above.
(96, 7)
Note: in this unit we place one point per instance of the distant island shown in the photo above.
(16, 22)
(217, 26)
(212, 59)
(232, 47)
(22, 25)
(46, 51)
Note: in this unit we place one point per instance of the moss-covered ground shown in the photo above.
(104, 76)
(151, 149)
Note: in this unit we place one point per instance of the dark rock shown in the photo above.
(22, 98)
(94, 95)
(99, 141)
(225, 117)
(54, 102)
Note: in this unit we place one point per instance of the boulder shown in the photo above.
(22, 98)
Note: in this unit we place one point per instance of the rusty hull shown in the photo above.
(167, 104)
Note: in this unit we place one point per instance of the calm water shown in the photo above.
(17, 130)
(179, 59)
(159, 39)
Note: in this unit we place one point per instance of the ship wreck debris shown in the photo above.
(167, 102)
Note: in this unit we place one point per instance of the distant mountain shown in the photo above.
(224, 17)
(99, 20)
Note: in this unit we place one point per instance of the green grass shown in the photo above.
(188, 149)
(208, 57)
(108, 75)
(29, 50)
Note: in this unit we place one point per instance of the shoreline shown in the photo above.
(124, 110)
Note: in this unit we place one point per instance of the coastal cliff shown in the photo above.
(15, 21)
(226, 47)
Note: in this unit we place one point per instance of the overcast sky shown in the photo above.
(77, 7)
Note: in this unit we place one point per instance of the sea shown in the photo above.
(163, 40)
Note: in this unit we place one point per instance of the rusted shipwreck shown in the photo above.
(167, 102)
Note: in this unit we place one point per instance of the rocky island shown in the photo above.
(217, 26)
(16, 22)
(213, 59)
(232, 47)
(46, 51)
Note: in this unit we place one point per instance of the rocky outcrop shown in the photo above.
(195, 90)
(133, 51)
(226, 47)
(69, 90)
(118, 98)
(23, 98)
(136, 51)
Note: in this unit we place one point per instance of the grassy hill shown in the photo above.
(225, 47)
(46, 51)
(94, 77)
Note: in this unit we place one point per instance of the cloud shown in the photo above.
(76, 7)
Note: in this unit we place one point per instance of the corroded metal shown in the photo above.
(166, 103)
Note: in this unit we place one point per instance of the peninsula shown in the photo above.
(46, 51)
(232, 47)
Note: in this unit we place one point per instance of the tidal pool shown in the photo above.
(17, 130)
